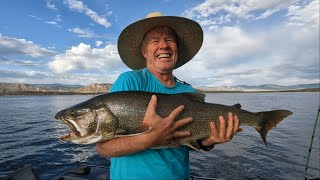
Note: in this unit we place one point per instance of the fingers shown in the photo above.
(222, 125)
(214, 130)
(181, 134)
(226, 128)
(230, 128)
(151, 114)
(175, 113)
(152, 106)
(236, 124)
(180, 123)
(177, 135)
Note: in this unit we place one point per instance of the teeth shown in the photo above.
(163, 56)
(78, 129)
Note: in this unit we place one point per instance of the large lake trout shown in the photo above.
(117, 114)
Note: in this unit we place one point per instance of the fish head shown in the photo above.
(89, 123)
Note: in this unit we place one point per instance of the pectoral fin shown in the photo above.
(143, 128)
(192, 147)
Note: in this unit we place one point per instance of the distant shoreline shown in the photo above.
(35, 93)
(38, 93)
(265, 91)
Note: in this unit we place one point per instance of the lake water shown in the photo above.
(29, 134)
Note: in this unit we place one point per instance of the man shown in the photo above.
(154, 47)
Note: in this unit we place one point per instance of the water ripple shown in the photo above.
(30, 135)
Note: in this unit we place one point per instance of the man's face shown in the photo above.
(160, 49)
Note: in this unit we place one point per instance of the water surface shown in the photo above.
(29, 134)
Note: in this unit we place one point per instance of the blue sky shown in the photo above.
(246, 42)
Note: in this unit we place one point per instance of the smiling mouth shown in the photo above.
(164, 55)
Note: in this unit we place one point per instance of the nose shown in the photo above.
(163, 44)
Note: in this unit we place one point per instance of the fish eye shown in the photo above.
(72, 113)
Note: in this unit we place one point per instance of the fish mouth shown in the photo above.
(73, 130)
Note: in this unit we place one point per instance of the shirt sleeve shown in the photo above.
(125, 82)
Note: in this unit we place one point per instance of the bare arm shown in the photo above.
(123, 146)
(163, 132)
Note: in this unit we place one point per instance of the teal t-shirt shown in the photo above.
(169, 163)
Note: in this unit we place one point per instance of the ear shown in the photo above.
(143, 51)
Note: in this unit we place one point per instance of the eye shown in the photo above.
(72, 113)
(171, 40)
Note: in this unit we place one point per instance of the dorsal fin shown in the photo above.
(237, 105)
(197, 97)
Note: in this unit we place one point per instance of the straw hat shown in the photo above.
(189, 32)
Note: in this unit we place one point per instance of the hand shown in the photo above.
(164, 130)
(225, 132)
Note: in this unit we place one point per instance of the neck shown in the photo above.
(166, 78)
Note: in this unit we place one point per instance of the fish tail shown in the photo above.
(269, 120)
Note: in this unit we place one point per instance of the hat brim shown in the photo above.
(190, 38)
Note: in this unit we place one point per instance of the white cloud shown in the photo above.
(42, 77)
(249, 42)
(221, 11)
(86, 33)
(51, 22)
(268, 7)
(98, 43)
(284, 53)
(85, 58)
(304, 16)
(51, 6)
(229, 43)
(13, 46)
(55, 21)
(79, 6)
(24, 63)
(35, 17)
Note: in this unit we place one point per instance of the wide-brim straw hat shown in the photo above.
(189, 34)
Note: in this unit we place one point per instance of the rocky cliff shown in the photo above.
(94, 88)
(20, 88)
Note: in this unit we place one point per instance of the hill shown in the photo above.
(260, 88)
(54, 89)
(51, 89)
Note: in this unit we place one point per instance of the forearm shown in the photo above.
(123, 146)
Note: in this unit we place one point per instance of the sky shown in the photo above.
(246, 42)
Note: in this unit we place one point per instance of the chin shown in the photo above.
(167, 66)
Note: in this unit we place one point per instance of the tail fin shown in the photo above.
(269, 120)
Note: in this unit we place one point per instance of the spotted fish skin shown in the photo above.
(117, 114)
